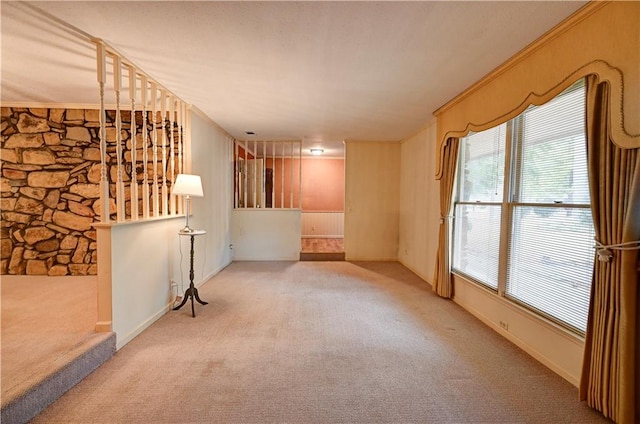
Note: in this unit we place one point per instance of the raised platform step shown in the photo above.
(322, 256)
(23, 400)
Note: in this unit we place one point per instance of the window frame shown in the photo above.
(512, 192)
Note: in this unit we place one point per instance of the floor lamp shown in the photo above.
(189, 186)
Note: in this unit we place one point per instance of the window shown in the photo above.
(523, 224)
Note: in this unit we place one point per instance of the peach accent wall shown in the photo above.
(323, 185)
(291, 169)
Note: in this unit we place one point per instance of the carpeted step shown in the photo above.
(29, 397)
(322, 256)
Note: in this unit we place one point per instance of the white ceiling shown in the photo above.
(319, 71)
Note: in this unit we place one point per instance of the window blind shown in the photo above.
(476, 242)
(552, 160)
(481, 177)
(544, 223)
(551, 246)
(551, 262)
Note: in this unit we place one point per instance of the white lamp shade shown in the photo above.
(187, 185)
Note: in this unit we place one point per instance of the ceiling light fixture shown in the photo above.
(316, 152)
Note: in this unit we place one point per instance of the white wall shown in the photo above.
(140, 274)
(322, 224)
(266, 234)
(419, 203)
(146, 256)
(211, 158)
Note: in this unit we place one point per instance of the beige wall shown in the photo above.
(419, 203)
(372, 200)
(602, 38)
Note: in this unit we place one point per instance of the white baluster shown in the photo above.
(104, 182)
(299, 174)
(163, 113)
(291, 176)
(236, 177)
(181, 112)
(264, 174)
(273, 174)
(145, 147)
(120, 197)
(172, 161)
(155, 194)
(134, 144)
(284, 147)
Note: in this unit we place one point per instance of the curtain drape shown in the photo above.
(442, 284)
(612, 357)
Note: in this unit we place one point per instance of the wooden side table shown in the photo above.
(192, 291)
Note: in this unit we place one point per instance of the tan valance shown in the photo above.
(585, 44)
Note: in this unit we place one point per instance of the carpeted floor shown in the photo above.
(320, 342)
(44, 320)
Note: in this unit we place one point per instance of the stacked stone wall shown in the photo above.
(50, 185)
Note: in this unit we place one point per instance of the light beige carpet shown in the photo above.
(320, 342)
(45, 321)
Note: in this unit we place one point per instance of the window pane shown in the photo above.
(476, 242)
(551, 261)
(482, 166)
(553, 160)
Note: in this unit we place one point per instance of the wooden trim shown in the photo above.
(605, 72)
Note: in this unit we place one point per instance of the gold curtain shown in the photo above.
(442, 284)
(612, 356)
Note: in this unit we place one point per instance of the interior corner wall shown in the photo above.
(372, 199)
(419, 203)
(602, 32)
(211, 159)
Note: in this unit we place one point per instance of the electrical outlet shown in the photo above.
(231, 246)
(504, 325)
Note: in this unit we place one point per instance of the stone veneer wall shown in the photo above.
(50, 184)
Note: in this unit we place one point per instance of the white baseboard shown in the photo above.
(121, 341)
